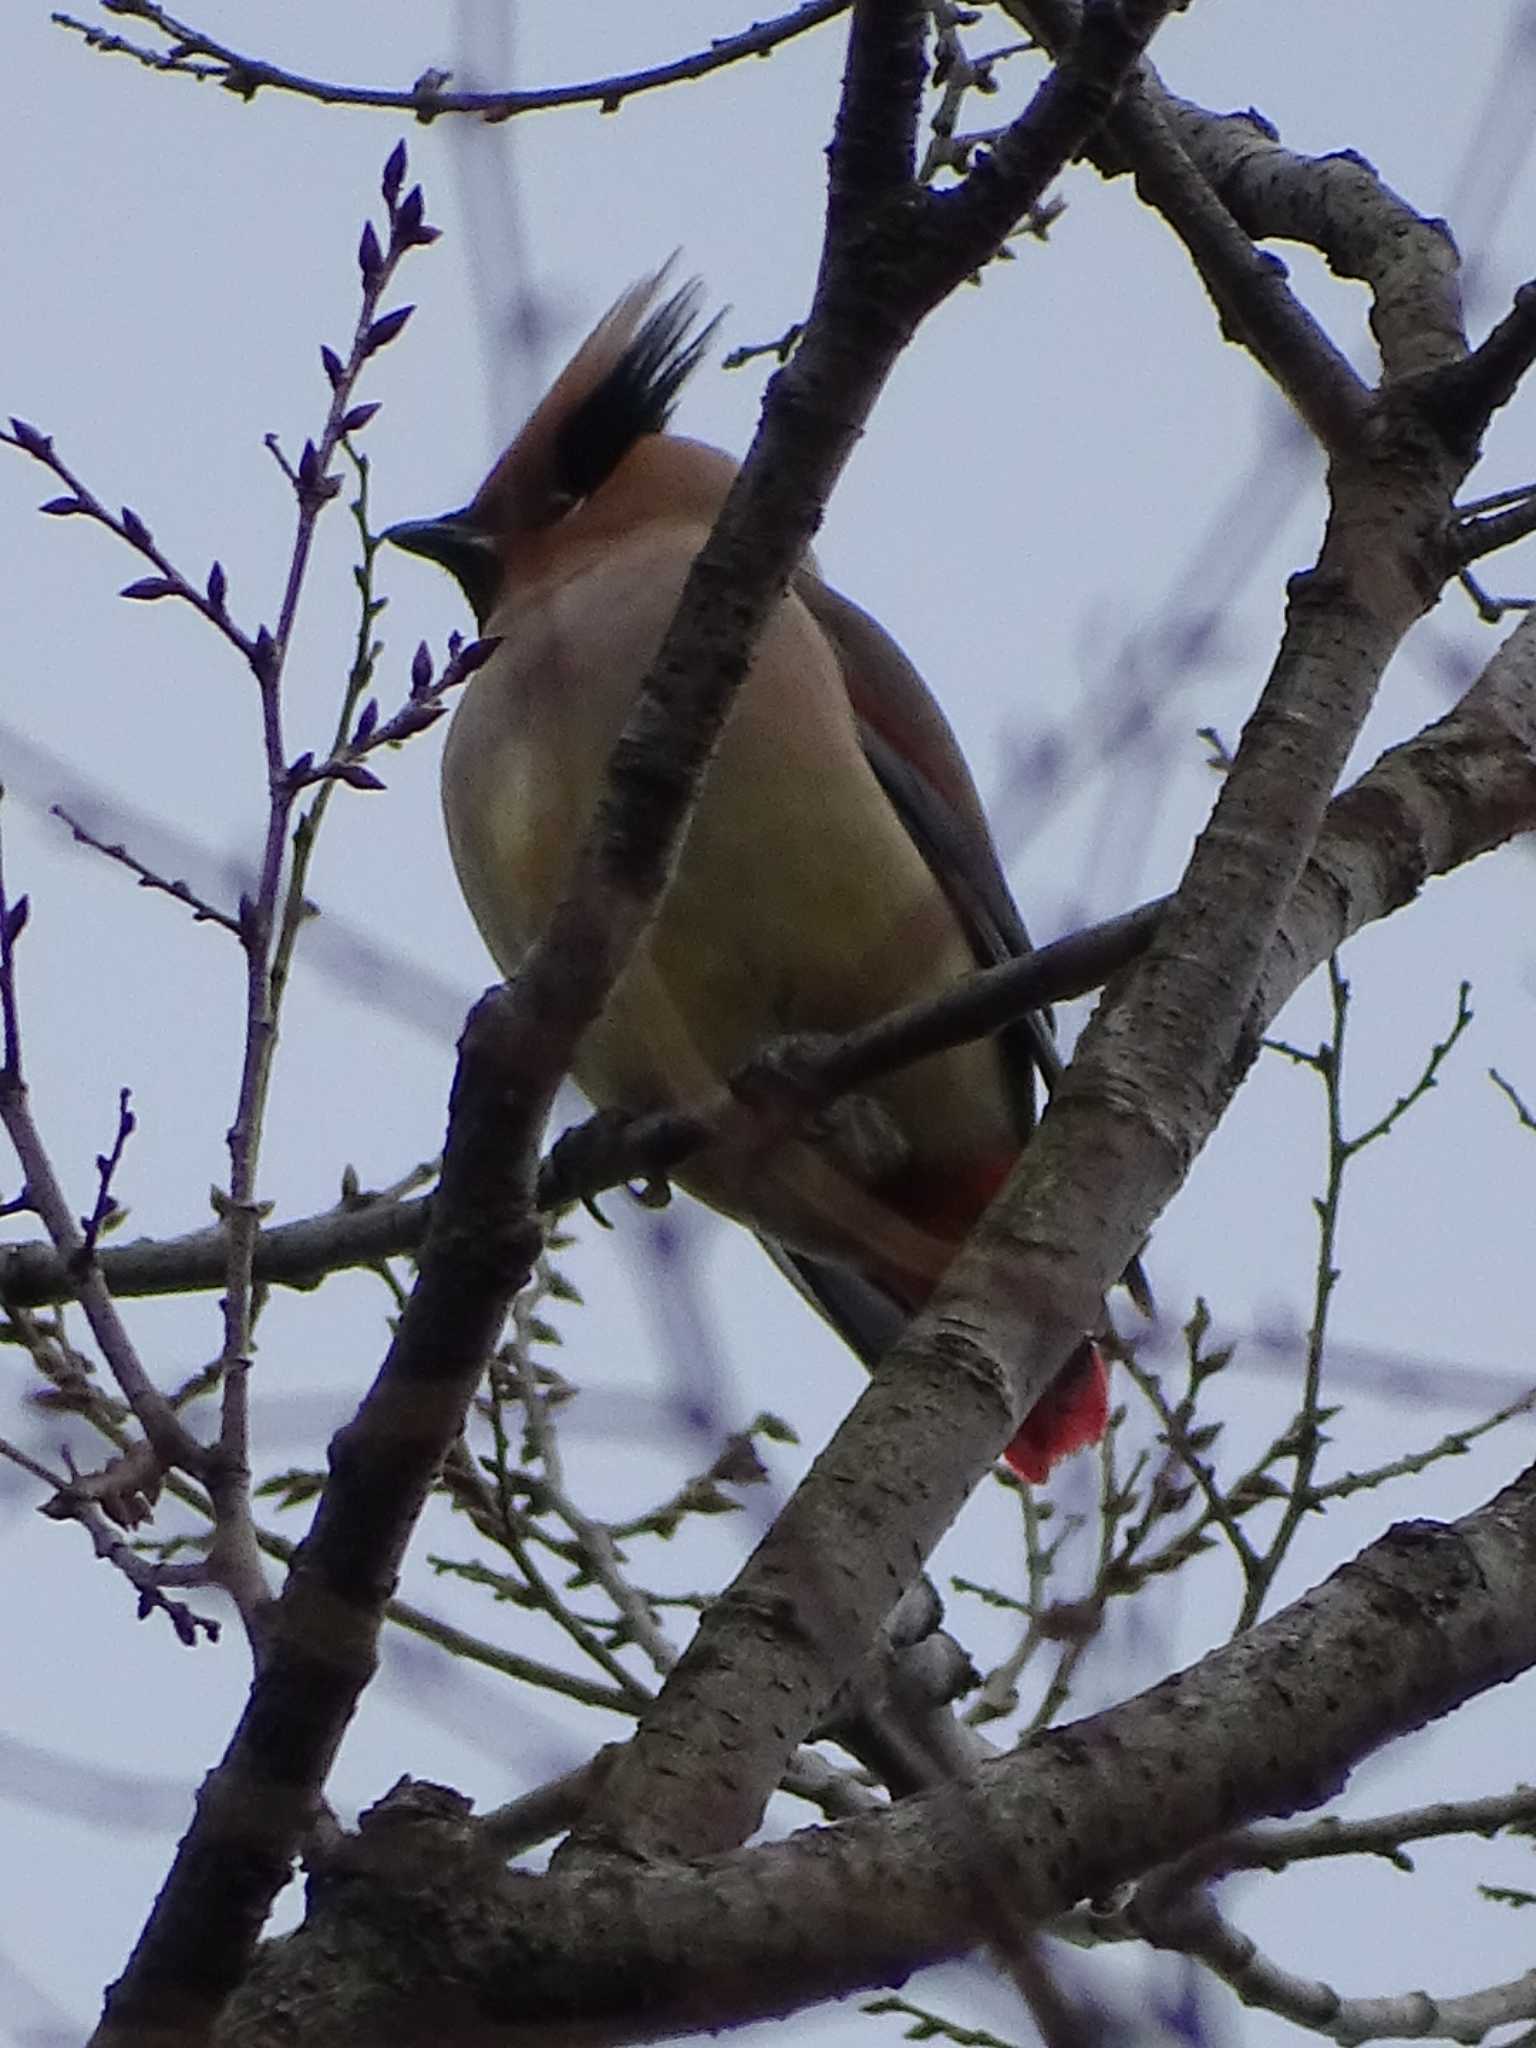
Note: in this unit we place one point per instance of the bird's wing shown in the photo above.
(917, 761)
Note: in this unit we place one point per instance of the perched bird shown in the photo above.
(838, 864)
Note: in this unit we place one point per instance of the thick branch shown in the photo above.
(1335, 204)
(874, 139)
(1249, 287)
(1152, 1075)
(1458, 789)
(1424, 1619)
(1250, 290)
(254, 1808)
(256, 1805)
(1339, 206)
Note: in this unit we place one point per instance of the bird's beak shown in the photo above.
(456, 544)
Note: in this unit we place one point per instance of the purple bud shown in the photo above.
(134, 529)
(477, 654)
(366, 723)
(32, 439)
(384, 330)
(370, 259)
(357, 418)
(60, 508)
(415, 717)
(216, 586)
(149, 587)
(332, 362)
(421, 669)
(408, 217)
(357, 775)
(394, 174)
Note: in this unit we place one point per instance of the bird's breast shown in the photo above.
(800, 902)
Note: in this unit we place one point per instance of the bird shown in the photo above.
(838, 863)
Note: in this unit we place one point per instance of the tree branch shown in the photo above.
(1152, 1074)
(1425, 1618)
(1335, 204)
(79, 1264)
(1191, 1925)
(1463, 786)
(1462, 396)
(598, 1155)
(428, 97)
(322, 1649)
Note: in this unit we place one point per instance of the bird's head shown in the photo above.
(616, 391)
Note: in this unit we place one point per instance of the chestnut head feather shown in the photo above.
(619, 387)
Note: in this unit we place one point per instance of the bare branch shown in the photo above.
(72, 1502)
(1144, 133)
(605, 1154)
(545, 1812)
(173, 1442)
(207, 601)
(1482, 529)
(423, 707)
(792, 1079)
(147, 878)
(1152, 1074)
(1464, 785)
(194, 54)
(874, 138)
(1463, 396)
(1339, 206)
(1427, 1616)
(107, 1163)
(1190, 1924)
(1336, 204)
(321, 1644)
(1277, 1848)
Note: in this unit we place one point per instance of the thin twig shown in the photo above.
(429, 96)
(1302, 1441)
(1190, 1924)
(173, 1442)
(107, 1164)
(203, 911)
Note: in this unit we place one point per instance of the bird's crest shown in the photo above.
(620, 385)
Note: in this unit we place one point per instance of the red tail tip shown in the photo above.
(1070, 1417)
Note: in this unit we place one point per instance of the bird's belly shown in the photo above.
(800, 904)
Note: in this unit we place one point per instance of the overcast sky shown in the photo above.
(1076, 508)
